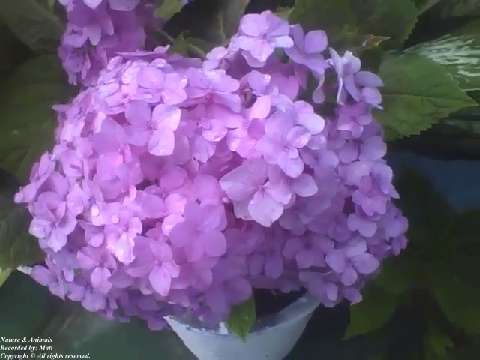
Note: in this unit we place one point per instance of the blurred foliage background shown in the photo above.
(424, 304)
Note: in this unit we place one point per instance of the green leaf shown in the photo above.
(376, 308)
(429, 223)
(192, 47)
(390, 18)
(418, 93)
(17, 246)
(468, 352)
(28, 309)
(75, 330)
(231, 13)
(454, 277)
(168, 9)
(437, 343)
(425, 5)
(284, 12)
(398, 274)
(242, 318)
(4, 274)
(26, 306)
(349, 22)
(212, 21)
(12, 51)
(28, 121)
(330, 15)
(37, 70)
(459, 8)
(458, 299)
(32, 23)
(460, 54)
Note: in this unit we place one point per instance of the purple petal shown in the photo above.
(100, 280)
(368, 79)
(261, 108)
(336, 260)
(274, 266)
(162, 142)
(123, 5)
(304, 185)
(160, 280)
(264, 209)
(166, 117)
(315, 41)
(365, 263)
(215, 243)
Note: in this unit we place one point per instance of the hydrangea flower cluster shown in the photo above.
(180, 185)
(97, 30)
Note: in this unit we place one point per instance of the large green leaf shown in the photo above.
(4, 274)
(418, 93)
(399, 274)
(17, 247)
(168, 9)
(32, 23)
(11, 49)
(37, 70)
(350, 22)
(437, 343)
(331, 15)
(28, 120)
(26, 307)
(459, 53)
(458, 298)
(391, 18)
(76, 330)
(468, 352)
(372, 312)
(230, 15)
(211, 21)
(242, 318)
(455, 276)
(429, 215)
(459, 8)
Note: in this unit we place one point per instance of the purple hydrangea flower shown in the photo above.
(97, 30)
(178, 185)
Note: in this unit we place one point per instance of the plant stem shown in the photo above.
(427, 6)
(195, 50)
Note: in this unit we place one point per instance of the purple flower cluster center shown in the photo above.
(180, 185)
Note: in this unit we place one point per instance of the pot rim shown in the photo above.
(301, 307)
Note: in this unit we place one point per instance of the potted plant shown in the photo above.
(226, 194)
(176, 187)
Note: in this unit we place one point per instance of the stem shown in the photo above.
(427, 6)
(195, 50)
(166, 36)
